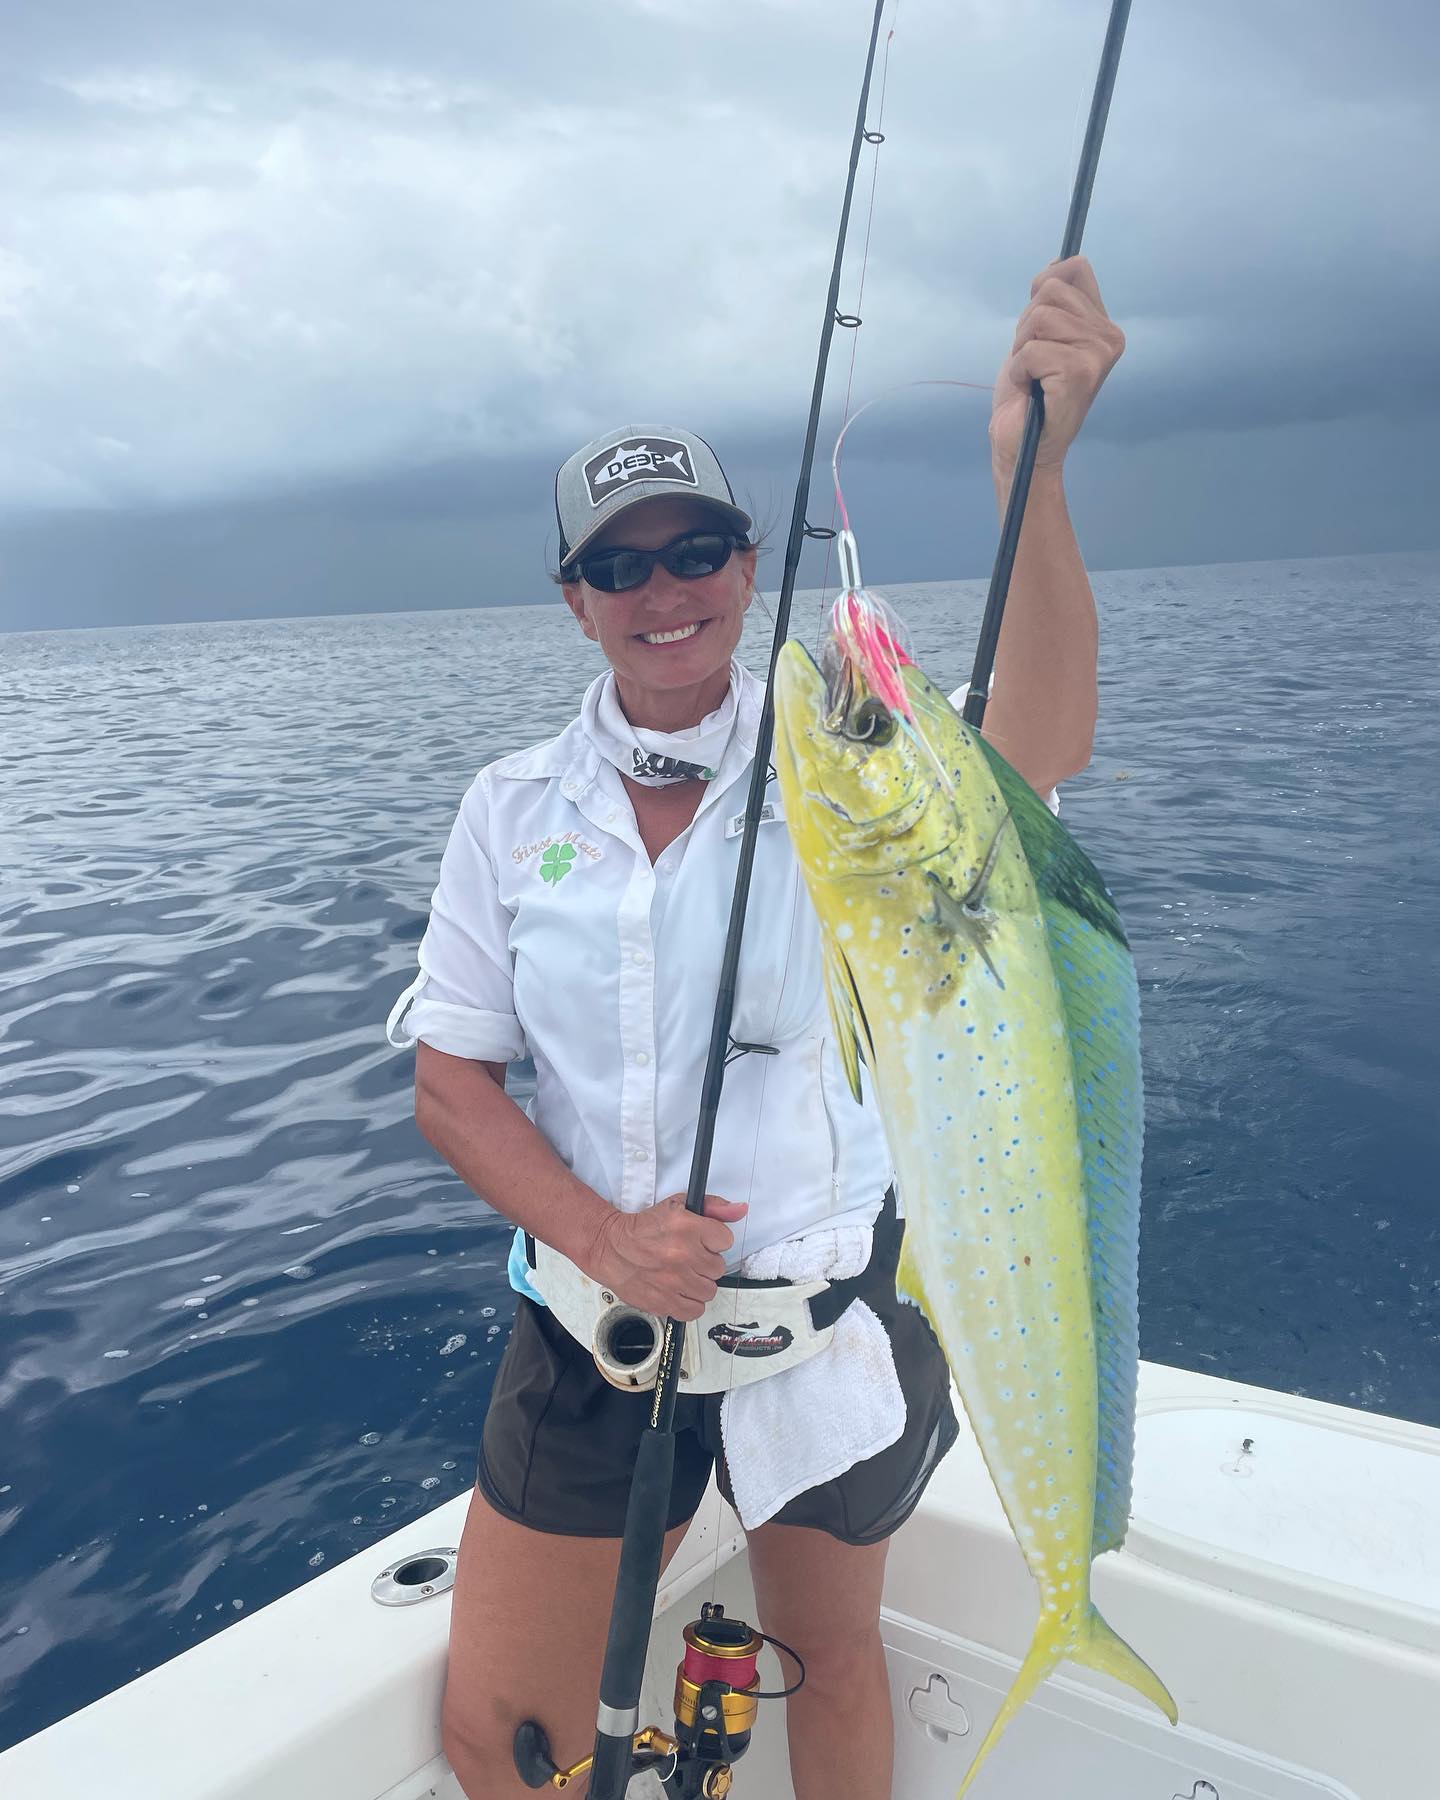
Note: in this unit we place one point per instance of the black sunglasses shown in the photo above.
(697, 553)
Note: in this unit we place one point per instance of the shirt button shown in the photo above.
(640, 1153)
(641, 1057)
(640, 959)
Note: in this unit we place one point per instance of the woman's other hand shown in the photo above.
(1067, 342)
(665, 1260)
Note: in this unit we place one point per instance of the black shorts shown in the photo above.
(559, 1442)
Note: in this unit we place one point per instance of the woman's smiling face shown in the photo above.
(667, 681)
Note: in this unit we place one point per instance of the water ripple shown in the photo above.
(248, 1322)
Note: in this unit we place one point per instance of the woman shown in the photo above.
(579, 916)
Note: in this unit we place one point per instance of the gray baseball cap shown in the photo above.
(637, 462)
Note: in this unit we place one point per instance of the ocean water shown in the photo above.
(249, 1322)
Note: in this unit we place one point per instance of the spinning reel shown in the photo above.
(717, 1695)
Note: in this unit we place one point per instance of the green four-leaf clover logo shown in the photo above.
(555, 863)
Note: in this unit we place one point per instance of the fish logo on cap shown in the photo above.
(638, 459)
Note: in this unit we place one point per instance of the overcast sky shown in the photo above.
(303, 301)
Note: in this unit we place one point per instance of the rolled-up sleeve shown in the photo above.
(462, 1001)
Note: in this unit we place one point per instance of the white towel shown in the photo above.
(811, 1423)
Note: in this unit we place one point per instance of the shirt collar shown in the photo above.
(572, 755)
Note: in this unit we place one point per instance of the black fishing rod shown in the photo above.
(974, 709)
(620, 1746)
(617, 1720)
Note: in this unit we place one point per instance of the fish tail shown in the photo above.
(1103, 1649)
(1047, 1649)
(1097, 1647)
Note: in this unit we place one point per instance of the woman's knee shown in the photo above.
(527, 1639)
(511, 1590)
(841, 1666)
(478, 1739)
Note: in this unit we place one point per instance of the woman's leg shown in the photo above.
(822, 1598)
(527, 1639)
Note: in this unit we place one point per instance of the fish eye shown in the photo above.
(871, 723)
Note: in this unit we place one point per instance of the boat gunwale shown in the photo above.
(1302, 1591)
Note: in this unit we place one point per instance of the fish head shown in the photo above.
(863, 793)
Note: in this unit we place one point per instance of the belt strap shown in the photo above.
(826, 1308)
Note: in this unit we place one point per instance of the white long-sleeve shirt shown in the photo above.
(551, 932)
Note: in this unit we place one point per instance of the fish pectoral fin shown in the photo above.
(968, 904)
(960, 917)
(976, 896)
(847, 1014)
(947, 913)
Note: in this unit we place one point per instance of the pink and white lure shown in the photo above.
(866, 646)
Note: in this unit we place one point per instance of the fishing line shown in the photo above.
(637, 1580)
(979, 387)
(867, 634)
(866, 637)
(1083, 167)
(877, 138)
(852, 321)
(735, 1052)
(840, 510)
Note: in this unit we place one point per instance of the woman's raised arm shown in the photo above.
(1041, 716)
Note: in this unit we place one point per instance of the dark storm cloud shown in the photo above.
(331, 289)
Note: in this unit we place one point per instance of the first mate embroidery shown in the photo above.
(557, 854)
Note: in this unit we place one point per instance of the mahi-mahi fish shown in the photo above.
(976, 964)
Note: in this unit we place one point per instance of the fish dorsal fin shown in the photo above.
(847, 1014)
(1096, 977)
